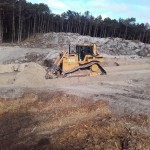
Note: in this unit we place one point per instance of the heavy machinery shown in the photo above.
(85, 61)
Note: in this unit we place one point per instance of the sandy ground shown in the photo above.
(104, 112)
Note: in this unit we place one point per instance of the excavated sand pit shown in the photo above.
(56, 120)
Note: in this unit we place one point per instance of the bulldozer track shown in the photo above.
(85, 66)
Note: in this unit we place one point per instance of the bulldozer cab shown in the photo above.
(83, 50)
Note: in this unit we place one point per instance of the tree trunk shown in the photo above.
(20, 28)
(39, 20)
(89, 33)
(134, 35)
(13, 25)
(1, 28)
(34, 26)
(29, 29)
(140, 37)
(105, 31)
(149, 41)
(146, 36)
(143, 37)
(84, 28)
(126, 30)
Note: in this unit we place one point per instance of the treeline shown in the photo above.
(20, 20)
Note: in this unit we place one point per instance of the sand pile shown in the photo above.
(32, 75)
(113, 46)
(8, 68)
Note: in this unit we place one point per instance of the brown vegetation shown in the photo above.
(57, 120)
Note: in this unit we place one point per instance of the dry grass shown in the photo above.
(61, 121)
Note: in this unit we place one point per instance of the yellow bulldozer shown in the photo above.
(85, 61)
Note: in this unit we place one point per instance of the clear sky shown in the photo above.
(140, 9)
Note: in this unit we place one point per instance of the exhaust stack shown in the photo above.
(69, 49)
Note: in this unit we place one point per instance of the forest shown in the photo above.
(19, 20)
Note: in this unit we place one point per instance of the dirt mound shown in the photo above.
(113, 46)
(26, 74)
(32, 75)
(60, 121)
(12, 68)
